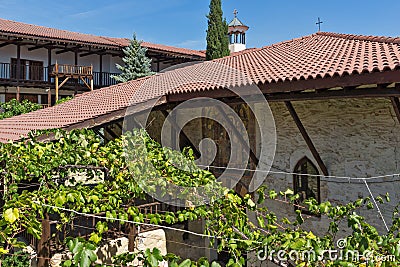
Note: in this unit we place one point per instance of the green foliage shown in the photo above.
(18, 259)
(153, 258)
(217, 32)
(83, 253)
(227, 217)
(14, 108)
(137, 64)
(63, 100)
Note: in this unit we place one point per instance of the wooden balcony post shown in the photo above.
(131, 237)
(18, 93)
(18, 70)
(91, 77)
(56, 80)
(101, 71)
(49, 97)
(49, 65)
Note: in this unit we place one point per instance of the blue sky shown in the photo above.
(183, 22)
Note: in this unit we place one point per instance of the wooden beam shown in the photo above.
(332, 82)
(98, 52)
(371, 92)
(64, 51)
(90, 87)
(49, 65)
(56, 82)
(63, 82)
(239, 135)
(110, 132)
(18, 72)
(185, 137)
(76, 51)
(44, 243)
(101, 70)
(396, 106)
(97, 131)
(5, 44)
(39, 47)
(306, 137)
(49, 97)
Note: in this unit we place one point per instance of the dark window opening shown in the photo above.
(306, 182)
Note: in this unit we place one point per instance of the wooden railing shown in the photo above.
(26, 72)
(38, 74)
(72, 70)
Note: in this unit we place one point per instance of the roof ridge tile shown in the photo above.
(380, 39)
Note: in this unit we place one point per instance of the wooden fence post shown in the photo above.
(44, 243)
(131, 237)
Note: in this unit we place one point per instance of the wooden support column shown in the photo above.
(76, 57)
(306, 137)
(131, 237)
(49, 97)
(185, 137)
(18, 70)
(56, 82)
(396, 106)
(101, 70)
(18, 93)
(49, 65)
(252, 155)
(44, 243)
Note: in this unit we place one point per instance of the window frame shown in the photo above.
(297, 169)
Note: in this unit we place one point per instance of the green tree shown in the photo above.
(137, 64)
(217, 33)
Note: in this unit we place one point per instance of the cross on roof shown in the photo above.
(319, 24)
(235, 12)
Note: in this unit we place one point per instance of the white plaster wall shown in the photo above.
(10, 51)
(113, 62)
(7, 52)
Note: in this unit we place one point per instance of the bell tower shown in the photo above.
(237, 34)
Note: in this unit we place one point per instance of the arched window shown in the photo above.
(305, 184)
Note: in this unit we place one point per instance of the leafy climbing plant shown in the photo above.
(37, 165)
(14, 108)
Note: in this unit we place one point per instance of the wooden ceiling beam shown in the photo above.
(5, 44)
(71, 49)
(385, 77)
(306, 137)
(396, 106)
(48, 45)
(323, 93)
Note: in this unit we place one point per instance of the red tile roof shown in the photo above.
(9, 27)
(315, 57)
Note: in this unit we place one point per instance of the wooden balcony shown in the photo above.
(72, 71)
(38, 76)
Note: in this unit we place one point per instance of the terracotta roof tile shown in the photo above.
(34, 31)
(316, 56)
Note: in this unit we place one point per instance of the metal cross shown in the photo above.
(319, 24)
(235, 12)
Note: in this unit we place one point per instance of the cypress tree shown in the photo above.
(217, 32)
(137, 64)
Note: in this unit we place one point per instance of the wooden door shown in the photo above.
(35, 70)
(13, 74)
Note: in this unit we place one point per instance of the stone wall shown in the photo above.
(354, 137)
